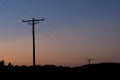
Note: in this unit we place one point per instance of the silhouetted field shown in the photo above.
(103, 71)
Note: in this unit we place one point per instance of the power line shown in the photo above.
(33, 22)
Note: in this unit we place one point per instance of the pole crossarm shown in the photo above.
(33, 22)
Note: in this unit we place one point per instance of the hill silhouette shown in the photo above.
(51, 72)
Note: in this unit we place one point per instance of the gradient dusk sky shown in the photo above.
(73, 30)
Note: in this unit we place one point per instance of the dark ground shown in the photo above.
(103, 71)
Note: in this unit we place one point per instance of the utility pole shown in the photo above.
(33, 22)
(89, 61)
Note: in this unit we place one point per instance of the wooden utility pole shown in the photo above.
(33, 22)
(89, 61)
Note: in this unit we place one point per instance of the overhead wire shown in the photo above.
(15, 10)
(3, 9)
(8, 9)
(27, 10)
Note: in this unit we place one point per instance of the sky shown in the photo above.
(73, 31)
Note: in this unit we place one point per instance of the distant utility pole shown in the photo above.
(89, 61)
(33, 22)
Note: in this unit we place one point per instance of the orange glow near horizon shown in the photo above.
(56, 49)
